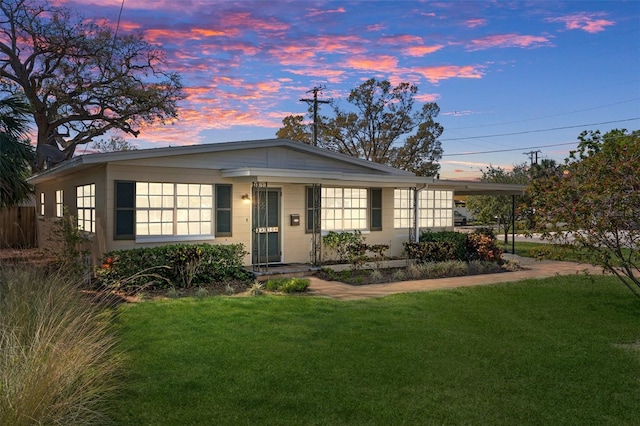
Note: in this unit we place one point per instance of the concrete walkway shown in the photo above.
(534, 269)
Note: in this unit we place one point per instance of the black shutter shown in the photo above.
(125, 210)
(376, 209)
(223, 210)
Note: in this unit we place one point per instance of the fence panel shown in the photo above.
(18, 227)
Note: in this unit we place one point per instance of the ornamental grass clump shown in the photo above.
(57, 358)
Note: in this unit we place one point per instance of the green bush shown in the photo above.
(445, 246)
(457, 239)
(346, 245)
(485, 230)
(178, 265)
(58, 364)
(288, 285)
(431, 251)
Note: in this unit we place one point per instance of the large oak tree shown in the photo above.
(382, 124)
(80, 79)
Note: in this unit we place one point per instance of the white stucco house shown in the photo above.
(275, 196)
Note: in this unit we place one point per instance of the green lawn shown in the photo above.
(557, 351)
(550, 251)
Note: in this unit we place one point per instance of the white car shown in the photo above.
(459, 219)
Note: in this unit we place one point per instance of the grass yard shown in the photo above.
(558, 351)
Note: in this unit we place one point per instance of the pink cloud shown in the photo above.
(375, 27)
(427, 97)
(589, 22)
(208, 32)
(330, 75)
(476, 22)
(378, 63)
(301, 53)
(445, 72)
(245, 20)
(421, 50)
(508, 40)
(400, 39)
(316, 12)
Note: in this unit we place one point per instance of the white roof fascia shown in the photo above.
(311, 176)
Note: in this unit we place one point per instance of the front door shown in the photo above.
(266, 225)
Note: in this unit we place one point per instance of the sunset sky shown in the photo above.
(509, 76)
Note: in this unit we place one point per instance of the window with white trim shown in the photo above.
(402, 208)
(435, 208)
(59, 203)
(86, 205)
(173, 209)
(194, 206)
(343, 209)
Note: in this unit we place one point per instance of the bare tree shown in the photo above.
(78, 77)
(114, 144)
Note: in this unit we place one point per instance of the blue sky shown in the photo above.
(509, 76)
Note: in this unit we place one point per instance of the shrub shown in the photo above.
(70, 257)
(430, 251)
(376, 276)
(257, 289)
(288, 285)
(415, 271)
(57, 358)
(180, 264)
(345, 245)
(457, 239)
(485, 230)
(186, 261)
(378, 251)
(446, 246)
(483, 247)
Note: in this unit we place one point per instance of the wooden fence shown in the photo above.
(18, 227)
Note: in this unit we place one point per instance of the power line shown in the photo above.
(118, 24)
(539, 130)
(508, 150)
(543, 117)
(537, 147)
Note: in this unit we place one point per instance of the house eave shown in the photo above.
(252, 174)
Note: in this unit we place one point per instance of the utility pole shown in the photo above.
(315, 101)
(533, 156)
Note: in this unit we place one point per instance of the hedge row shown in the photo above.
(448, 245)
(177, 265)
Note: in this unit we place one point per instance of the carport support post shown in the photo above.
(513, 224)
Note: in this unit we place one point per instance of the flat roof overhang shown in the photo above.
(250, 174)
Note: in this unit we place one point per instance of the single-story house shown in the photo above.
(277, 197)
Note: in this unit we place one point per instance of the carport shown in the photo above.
(490, 189)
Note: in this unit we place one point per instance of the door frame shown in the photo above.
(255, 239)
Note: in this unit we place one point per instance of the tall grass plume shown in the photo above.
(57, 358)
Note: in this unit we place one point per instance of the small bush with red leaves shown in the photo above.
(483, 247)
